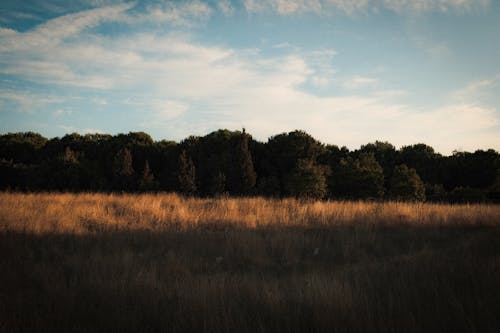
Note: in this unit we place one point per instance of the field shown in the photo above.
(164, 263)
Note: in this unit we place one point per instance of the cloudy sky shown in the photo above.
(348, 72)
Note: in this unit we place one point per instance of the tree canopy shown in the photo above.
(233, 163)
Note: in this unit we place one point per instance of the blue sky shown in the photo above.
(348, 72)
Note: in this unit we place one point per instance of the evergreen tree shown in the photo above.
(186, 174)
(218, 184)
(147, 181)
(70, 170)
(123, 172)
(406, 185)
(245, 173)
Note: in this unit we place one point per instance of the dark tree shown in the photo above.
(406, 185)
(307, 180)
(283, 154)
(245, 175)
(217, 185)
(466, 195)
(123, 171)
(147, 181)
(360, 178)
(385, 154)
(423, 159)
(22, 147)
(186, 174)
(69, 173)
(231, 162)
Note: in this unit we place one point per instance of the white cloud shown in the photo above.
(51, 33)
(283, 7)
(185, 13)
(435, 5)
(350, 7)
(358, 82)
(476, 90)
(225, 7)
(28, 102)
(168, 109)
(320, 81)
(61, 112)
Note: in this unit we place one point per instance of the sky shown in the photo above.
(348, 72)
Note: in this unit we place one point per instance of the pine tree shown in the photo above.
(186, 174)
(245, 172)
(147, 181)
(68, 169)
(218, 184)
(123, 171)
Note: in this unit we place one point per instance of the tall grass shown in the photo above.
(91, 213)
(162, 262)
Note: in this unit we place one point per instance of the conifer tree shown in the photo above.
(123, 171)
(245, 172)
(147, 181)
(186, 174)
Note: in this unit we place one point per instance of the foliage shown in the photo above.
(186, 174)
(307, 180)
(233, 163)
(362, 177)
(406, 185)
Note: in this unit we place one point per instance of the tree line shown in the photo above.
(233, 163)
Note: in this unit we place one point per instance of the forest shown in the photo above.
(232, 163)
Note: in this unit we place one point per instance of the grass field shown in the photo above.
(161, 262)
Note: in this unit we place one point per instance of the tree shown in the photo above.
(282, 158)
(245, 175)
(70, 170)
(467, 195)
(435, 193)
(423, 159)
(406, 185)
(21, 147)
(186, 174)
(360, 178)
(385, 154)
(494, 189)
(147, 181)
(123, 171)
(307, 180)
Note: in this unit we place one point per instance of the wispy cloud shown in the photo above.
(358, 82)
(28, 102)
(225, 7)
(477, 89)
(51, 33)
(183, 13)
(350, 7)
(436, 5)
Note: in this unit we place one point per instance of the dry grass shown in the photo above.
(90, 213)
(162, 262)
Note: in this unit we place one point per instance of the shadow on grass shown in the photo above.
(221, 278)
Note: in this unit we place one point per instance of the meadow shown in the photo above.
(166, 263)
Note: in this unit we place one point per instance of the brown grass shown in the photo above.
(162, 262)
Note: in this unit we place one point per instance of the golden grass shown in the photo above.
(91, 213)
(166, 263)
